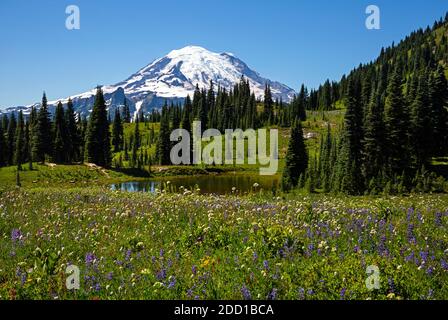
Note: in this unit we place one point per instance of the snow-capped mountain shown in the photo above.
(172, 78)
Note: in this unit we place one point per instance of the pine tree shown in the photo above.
(374, 139)
(421, 134)
(439, 113)
(126, 112)
(164, 143)
(11, 138)
(352, 182)
(135, 142)
(73, 141)
(296, 158)
(98, 135)
(326, 161)
(396, 126)
(117, 132)
(187, 115)
(20, 142)
(268, 105)
(27, 148)
(42, 142)
(60, 148)
(3, 148)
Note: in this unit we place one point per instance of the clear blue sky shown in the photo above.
(292, 41)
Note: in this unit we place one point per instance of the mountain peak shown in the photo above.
(175, 76)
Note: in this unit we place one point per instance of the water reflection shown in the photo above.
(216, 184)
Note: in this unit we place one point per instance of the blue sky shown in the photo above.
(292, 41)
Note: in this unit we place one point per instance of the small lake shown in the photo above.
(208, 184)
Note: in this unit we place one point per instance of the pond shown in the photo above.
(208, 184)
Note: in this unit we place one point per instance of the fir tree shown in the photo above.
(164, 143)
(3, 148)
(60, 148)
(421, 135)
(268, 105)
(20, 142)
(42, 142)
(396, 126)
(117, 132)
(439, 112)
(11, 138)
(73, 141)
(374, 139)
(351, 179)
(135, 142)
(98, 135)
(296, 158)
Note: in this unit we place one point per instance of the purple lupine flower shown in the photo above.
(438, 220)
(266, 264)
(410, 234)
(301, 294)
(161, 275)
(255, 256)
(246, 293)
(153, 259)
(128, 255)
(194, 269)
(391, 285)
(342, 294)
(172, 283)
(162, 252)
(15, 235)
(110, 275)
(444, 265)
(272, 295)
(90, 257)
(310, 292)
(23, 278)
(424, 256)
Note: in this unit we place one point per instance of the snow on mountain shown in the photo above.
(172, 78)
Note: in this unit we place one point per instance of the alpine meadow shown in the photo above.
(93, 205)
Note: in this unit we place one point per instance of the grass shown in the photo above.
(59, 175)
(188, 246)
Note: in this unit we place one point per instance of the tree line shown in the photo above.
(396, 122)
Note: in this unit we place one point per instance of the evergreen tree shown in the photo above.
(421, 135)
(73, 141)
(20, 142)
(439, 112)
(126, 112)
(396, 126)
(374, 139)
(296, 158)
(98, 135)
(42, 142)
(135, 142)
(27, 148)
(3, 148)
(117, 132)
(268, 105)
(164, 143)
(60, 148)
(11, 138)
(352, 182)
